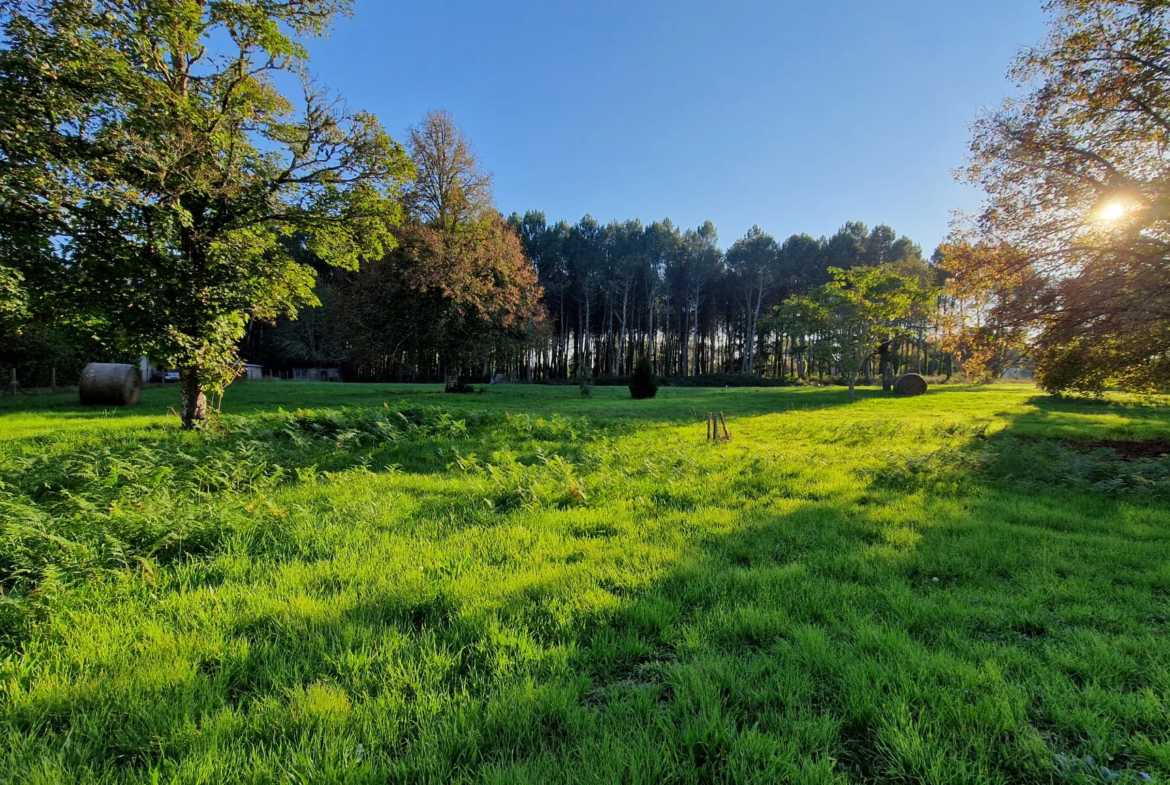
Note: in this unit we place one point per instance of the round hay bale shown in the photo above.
(910, 384)
(110, 384)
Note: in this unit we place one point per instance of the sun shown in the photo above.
(1113, 211)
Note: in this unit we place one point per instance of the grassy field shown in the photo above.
(387, 584)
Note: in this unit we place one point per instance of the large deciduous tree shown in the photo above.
(450, 188)
(459, 286)
(150, 169)
(1078, 187)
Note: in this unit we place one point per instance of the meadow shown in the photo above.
(360, 584)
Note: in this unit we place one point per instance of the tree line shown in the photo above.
(624, 290)
(608, 295)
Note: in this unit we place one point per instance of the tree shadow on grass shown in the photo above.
(942, 627)
(824, 642)
(808, 645)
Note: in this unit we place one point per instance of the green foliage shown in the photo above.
(855, 312)
(102, 506)
(1098, 363)
(1032, 467)
(754, 261)
(532, 586)
(313, 338)
(13, 301)
(705, 380)
(42, 348)
(153, 171)
(642, 384)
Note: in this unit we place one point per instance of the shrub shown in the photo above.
(585, 379)
(642, 385)
(458, 386)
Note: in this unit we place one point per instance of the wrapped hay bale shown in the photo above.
(910, 384)
(110, 384)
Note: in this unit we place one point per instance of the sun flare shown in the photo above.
(1113, 211)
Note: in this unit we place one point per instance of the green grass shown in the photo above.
(388, 584)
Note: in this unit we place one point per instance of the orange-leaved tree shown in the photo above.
(1078, 188)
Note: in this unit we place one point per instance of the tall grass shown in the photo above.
(528, 586)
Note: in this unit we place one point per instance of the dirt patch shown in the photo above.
(1126, 450)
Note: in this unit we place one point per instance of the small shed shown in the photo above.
(253, 372)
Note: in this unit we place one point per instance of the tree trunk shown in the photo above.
(578, 342)
(695, 333)
(587, 341)
(563, 365)
(610, 354)
(753, 318)
(749, 346)
(650, 327)
(620, 359)
(884, 366)
(192, 401)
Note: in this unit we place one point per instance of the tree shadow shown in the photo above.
(800, 645)
(947, 625)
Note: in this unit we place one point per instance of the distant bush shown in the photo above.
(458, 387)
(585, 380)
(642, 385)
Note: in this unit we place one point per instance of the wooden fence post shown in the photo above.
(726, 433)
(715, 421)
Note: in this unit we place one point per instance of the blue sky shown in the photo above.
(796, 116)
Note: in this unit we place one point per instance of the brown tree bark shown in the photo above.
(192, 401)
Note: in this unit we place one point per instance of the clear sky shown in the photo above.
(796, 116)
